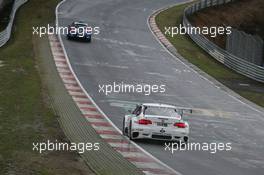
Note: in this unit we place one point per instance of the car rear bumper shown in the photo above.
(85, 37)
(159, 134)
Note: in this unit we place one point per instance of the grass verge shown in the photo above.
(247, 88)
(25, 112)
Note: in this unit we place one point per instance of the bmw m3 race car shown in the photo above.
(156, 121)
(79, 30)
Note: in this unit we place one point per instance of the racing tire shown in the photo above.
(129, 131)
(186, 139)
(69, 37)
(124, 130)
(89, 40)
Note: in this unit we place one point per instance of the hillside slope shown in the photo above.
(245, 15)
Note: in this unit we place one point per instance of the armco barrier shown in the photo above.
(238, 64)
(5, 34)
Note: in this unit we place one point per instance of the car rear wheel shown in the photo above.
(69, 37)
(130, 132)
(185, 139)
(124, 128)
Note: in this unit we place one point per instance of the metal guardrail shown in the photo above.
(238, 64)
(6, 33)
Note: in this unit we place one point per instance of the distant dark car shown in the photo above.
(79, 30)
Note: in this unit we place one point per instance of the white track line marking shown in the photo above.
(108, 136)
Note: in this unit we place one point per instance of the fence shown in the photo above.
(5, 34)
(238, 64)
(248, 47)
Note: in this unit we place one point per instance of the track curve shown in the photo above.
(127, 51)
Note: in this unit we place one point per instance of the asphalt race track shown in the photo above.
(125, 50)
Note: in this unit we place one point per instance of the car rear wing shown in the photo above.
(184, 110)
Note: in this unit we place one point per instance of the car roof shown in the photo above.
(159, 105)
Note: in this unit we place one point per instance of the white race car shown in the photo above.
(156, 121)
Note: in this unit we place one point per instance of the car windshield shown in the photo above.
(160, 111)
